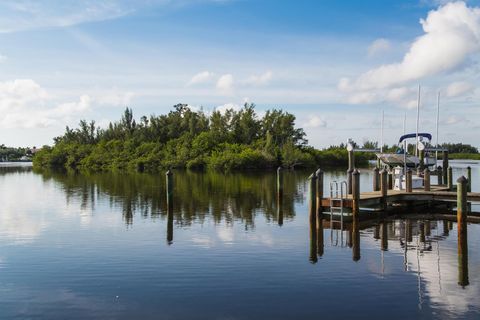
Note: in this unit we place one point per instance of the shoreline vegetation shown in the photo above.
(184, 138)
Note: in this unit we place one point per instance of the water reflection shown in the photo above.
(196, 196)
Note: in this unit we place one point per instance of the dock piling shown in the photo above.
(169, 194)
(376, 179)
(469, 177)
(445, 166)
(349, 180)
(408, 180)
(450, 178)
(384, 187)
(390, 181)
(426, 179)
(280, 182)
(439, 175)
(356, 193)
(313, 197)
(319, 175)
(462, 231)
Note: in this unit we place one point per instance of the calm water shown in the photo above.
(100, 246)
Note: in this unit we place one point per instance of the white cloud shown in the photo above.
(227, 106)
(452, 34)
(315, 122)
(3, 58)
(458, 88)
(19, 15)
(225, 83)
(379, 46)
(25, 104)
(201, 78)
(260, 80)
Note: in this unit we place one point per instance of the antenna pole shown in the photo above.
(418, 120)
(438, 118)
(381, 135)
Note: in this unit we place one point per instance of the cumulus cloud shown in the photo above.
(227, 106)
(25, 104)
(316, 122)
(458, 88)
(260, 80)
(225, 83)
(451, 36)
(200, 78)
(378, 46)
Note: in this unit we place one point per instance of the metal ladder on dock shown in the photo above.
(338, 193)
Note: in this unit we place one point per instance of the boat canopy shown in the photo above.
(413, 135)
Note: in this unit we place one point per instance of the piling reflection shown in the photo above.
(463, 260)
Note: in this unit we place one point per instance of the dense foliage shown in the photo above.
(14, 154)
(183, 138)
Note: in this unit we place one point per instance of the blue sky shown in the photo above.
(334, 64)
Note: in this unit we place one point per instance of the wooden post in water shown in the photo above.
(384, 236)
(384, 187)
(351, 167)
(450, 178)
(319, 175)
(169, 195)
(280, 183)
(351, 160)
(445, 166)
(376, 179)
(390, 181)
(349, 181)
(426, 179)
(355, 233)
(462, 231)
(280, 196)
(356, 193)
(469, 177)
(313, 217)
(313, 197)
(439, 175)
(408, 180)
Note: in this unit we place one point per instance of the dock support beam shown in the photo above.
(462, 231)
(384, 187)
(390, 181)
(313, 217)
(450, 178)
(439, 175)
(408, 180)
(376, 179)
(356, 193)
(426, 179)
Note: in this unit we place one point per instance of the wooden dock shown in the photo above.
(375, 198)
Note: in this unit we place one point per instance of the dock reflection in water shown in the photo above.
(112, 245)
